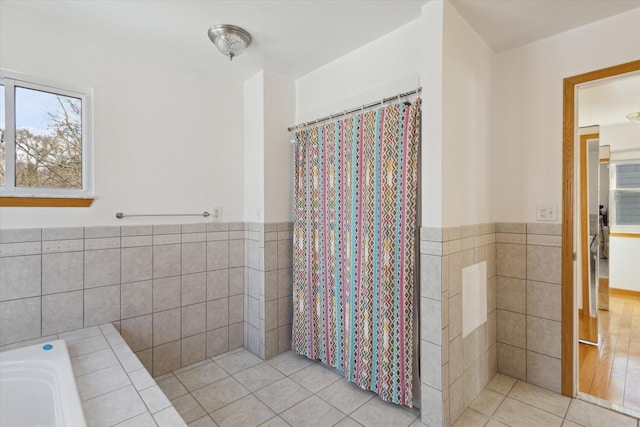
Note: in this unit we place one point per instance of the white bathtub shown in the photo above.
(38, 388)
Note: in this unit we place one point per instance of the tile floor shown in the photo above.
(240, 389)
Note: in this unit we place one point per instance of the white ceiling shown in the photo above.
(289, 37)
(607, 102)
(505, 24)
(295, 37)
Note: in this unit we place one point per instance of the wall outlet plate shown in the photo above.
(216, 213)
(547, 212)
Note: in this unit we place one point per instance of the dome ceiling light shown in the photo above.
(229, 39)
(634, 117)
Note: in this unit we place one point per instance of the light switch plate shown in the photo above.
(216, 213)
(547, 212)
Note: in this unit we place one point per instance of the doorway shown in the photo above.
(572, 234)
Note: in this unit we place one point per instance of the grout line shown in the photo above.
(531, 405)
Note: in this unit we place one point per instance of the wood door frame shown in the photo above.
(587, 325)
(584, 214)
(569, 341)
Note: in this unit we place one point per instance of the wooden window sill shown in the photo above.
(632, 235)
(45, 202)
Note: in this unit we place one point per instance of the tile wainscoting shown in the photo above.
(183, 293)
(177, 293)
(529, 302)
(269, 291)
(454, 369)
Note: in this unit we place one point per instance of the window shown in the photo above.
(625, 191)
(45, 148)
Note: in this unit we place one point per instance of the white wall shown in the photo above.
(624, 268)
(431, 75)
(384, 67)
(624, 252)
(527, 124)
(269, 108)
(167, 139)
(624, 140)
(254, 148)
(466, 112)
(279, 107)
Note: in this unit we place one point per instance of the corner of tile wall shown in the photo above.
(528, 298)
(454, 370)
(268, 288)
(431, 326)
(178, 293)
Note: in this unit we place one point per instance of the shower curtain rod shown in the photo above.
(353, 110)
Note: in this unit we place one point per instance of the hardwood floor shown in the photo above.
(611, 371)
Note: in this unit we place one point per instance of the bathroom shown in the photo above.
(179, 129)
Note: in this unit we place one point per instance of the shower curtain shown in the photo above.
(354, 247)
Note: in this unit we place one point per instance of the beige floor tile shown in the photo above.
(418, 423)
(258, 376)
(289, 362)
(487, 402)
(168, 417)
(201, 376)
(221, 393)
(171, 386)
(275, 422)
(282, 394)
(143, 420)
(540, 398)
(471, 418)
(345, 396)
(238, 361)
(590, 415)
(348, 422)
(190, 367)
(188, 408)
(315, 377)
(376, 413)
(517, 414)
(279, 401)
(312, 412)
(246, 412)
(501, 383)
(205, 421)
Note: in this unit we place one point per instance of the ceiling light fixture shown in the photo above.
(634, 117)
(229, 39)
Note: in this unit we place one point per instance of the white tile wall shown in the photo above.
(163, 284)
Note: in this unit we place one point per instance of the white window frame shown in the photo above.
(613, 190)
(12, 79)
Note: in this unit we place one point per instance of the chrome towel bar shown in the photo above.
(121, 215)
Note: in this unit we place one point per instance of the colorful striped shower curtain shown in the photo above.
(354, 247)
